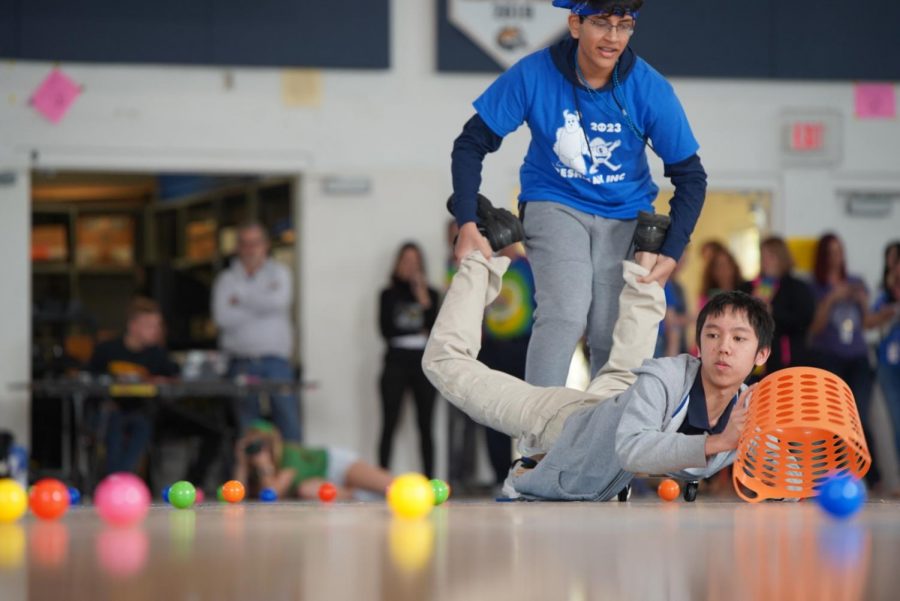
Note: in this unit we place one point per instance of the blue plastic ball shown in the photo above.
(267, 495)
(841, 497)
(74, 496)
(165, 494)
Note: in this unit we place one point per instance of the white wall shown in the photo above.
(15, 298)
(395, 127)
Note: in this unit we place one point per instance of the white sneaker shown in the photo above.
(508, 490)
(518, 467)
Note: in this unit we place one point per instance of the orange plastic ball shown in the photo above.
(668, 490)
(327, 492)
(233, 491)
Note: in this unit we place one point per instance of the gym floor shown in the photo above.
(642, 549)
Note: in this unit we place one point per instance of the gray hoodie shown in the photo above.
(601, 447)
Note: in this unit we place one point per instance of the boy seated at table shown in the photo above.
(137, 355)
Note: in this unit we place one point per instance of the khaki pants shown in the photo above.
(505, 403)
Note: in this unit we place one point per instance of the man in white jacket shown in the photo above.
(251, 304)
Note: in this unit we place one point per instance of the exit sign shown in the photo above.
(810, 137)
(807, 136)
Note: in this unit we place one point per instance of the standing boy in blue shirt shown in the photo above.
(593, 107)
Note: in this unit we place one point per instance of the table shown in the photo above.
(75, 392)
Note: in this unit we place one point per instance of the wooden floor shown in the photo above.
(464, 550)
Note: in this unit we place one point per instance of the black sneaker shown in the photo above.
(690, 491)
(499, 226)
(650, 232)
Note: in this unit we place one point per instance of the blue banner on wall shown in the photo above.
(767, 39)
(276, 33)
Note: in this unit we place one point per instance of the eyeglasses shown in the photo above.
(626, 28)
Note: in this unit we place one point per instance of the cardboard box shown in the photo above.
(49, 242)
(104, 241)
(201, 240)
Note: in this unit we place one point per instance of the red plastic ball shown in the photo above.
(668, 490)
(49, 499)
(327, 492)
(233, 491)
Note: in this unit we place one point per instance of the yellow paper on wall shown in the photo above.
(301, 87)
(803, 250)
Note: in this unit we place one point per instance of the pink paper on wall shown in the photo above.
(55, 95)
(875, 101)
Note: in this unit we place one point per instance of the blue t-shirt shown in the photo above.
(843, 336)
(676, 301)
(595, 163)
(889, 348)
(511, 315)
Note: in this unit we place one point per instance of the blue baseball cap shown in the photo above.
(584, 9)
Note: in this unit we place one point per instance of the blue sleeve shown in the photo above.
(689, 179)
(668, 127)
(669, 293)
(469, 150)
(501, 109)
(504, 105)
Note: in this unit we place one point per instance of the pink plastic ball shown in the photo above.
(200, 497)
(122, 499)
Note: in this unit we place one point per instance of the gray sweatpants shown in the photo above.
(577, 263)
(534, 414)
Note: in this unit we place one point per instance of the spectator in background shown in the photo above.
(251, 306)
(672, 338)
(839, 322)
(789, 300)
(891, 257)
(407, 310)
(887, 318)
(137, 356)
(721, 274)
(709, 248)
(504, 344)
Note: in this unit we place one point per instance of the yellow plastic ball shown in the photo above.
(13, 500)
(411, 496)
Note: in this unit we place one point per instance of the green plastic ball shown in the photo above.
(182, 494)
(441, 491)
(219, 495)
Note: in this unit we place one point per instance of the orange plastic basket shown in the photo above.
(802, 428)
